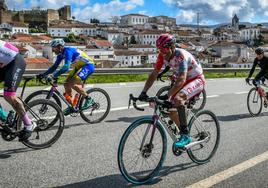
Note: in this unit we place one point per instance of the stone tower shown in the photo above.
(235, 23)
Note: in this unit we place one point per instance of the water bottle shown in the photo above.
(76, 97)
(10, 118)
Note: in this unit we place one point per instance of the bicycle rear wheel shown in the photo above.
(162, 91)
(204, 126)
(42, 112)
(201, 102)
(254, 102)
(140, 160)
(100, 107)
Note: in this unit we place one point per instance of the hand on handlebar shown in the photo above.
(143, 96)
(247, 80)
(159, 77)
(163, 97)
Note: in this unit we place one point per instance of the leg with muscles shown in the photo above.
(82, 75)
(17, 105)
(179, 101)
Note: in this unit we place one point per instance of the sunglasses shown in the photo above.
(164, 50)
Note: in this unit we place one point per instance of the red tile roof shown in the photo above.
(103, 43)
(37, 60)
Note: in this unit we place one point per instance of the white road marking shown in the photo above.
(212, 96)
(221, 176)
(242, 92)
(47, 88)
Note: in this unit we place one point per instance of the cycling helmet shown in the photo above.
(57, 42)
(165, 40)
(259, 51)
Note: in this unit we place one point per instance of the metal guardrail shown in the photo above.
(104, 71)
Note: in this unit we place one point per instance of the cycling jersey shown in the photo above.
(7, 53)
(181, 62)
(70, 56)
(263, 64)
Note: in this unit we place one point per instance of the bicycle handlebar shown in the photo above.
(165, 104)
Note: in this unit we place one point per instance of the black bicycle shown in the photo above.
(143, 146)
(41, 112)
(199, 101)
(257, 97)
(97, 112)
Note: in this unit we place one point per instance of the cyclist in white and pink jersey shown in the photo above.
(12, 67)
(190, 82)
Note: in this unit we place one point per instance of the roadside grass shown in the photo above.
(116, 78)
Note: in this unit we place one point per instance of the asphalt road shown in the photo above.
(86, 154)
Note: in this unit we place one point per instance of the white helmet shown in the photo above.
(57, 42)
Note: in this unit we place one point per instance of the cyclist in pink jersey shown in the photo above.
(12, 67)
(190, 81)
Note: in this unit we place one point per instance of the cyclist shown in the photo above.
(83, 67)
(12, 67)
(262, 61)
(190, 81)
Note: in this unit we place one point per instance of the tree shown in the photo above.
(132, 40)
(94, 20)
(259, 41)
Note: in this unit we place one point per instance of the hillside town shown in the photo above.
(128, 40)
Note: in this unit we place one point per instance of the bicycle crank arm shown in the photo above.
(196, 143)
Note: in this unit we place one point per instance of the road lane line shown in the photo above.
(212, 96)
(242, 92)
(221, 176)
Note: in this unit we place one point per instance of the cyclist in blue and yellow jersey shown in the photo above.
(12, 67)
(83, 67)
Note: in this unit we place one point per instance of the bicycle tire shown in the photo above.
(29, 143)
(44, 93)
(191, 152)
(121, 148)
(248, 102)
(91, 92)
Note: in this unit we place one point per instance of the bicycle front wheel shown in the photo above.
(254, 102)
(204, 127)
(42, 112)
(99, 109)
(139, 157)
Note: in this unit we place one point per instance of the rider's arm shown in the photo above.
(165, 70)
(67, 64)
(54, 66)
(152, 77)
(253, 68)
(63, 69)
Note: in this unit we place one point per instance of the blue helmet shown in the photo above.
(57, 42)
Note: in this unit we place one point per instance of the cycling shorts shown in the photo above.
(81, 70)
(11, 75)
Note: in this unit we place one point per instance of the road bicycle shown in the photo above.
(97, 112)
(143, 146)
(199, 101)
(257, 97)
(41, 112)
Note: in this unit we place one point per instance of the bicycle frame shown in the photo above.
(54, 89)
(158, 118)
(260, 91)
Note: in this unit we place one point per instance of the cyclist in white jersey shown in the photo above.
(190, 81)
(12, 67)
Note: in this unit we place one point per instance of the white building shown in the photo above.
(128, 58)
(148, 37)
(142, 48)
(113, 36)
(249, 33)
(100, 54)
(65, 30)
(134, 19)
(16, 27)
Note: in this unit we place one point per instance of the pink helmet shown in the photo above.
(165, 40)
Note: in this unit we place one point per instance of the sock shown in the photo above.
(27, 122)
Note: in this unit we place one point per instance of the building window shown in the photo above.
(110, 56)
(126, 57)
(96, 57)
